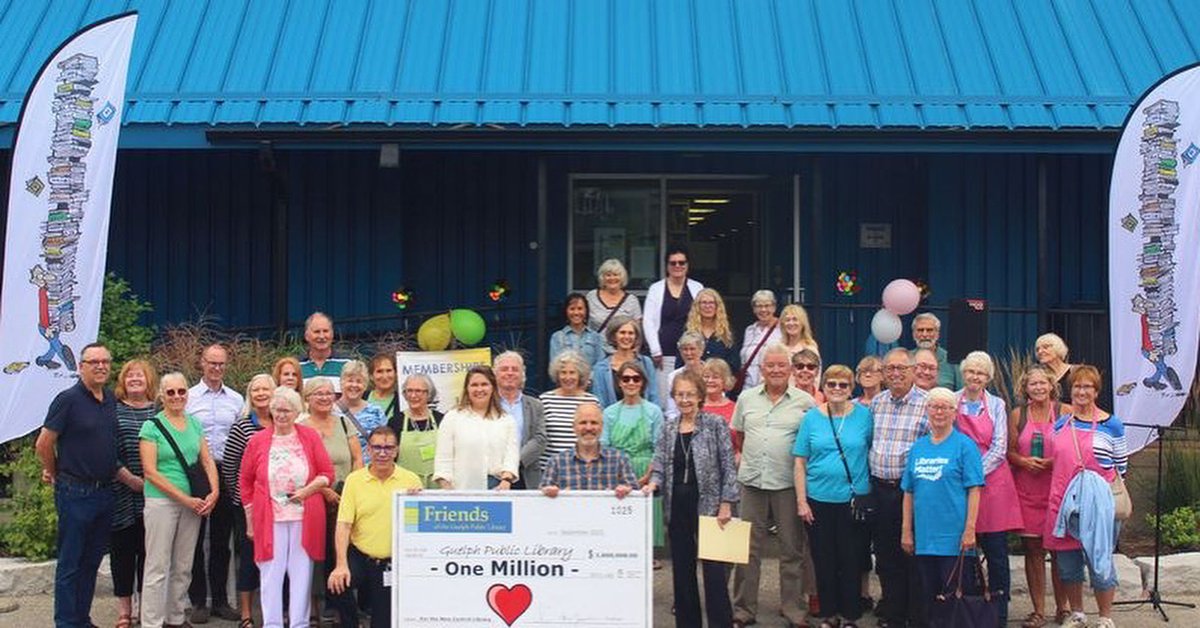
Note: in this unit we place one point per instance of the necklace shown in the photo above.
(686, 445)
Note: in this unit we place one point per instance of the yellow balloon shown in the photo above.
(434, 333)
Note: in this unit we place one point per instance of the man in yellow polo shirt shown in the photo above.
(363, 539)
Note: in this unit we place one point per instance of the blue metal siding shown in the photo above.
(928, 64)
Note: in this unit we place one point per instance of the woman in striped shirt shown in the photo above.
(571, 372)
(257, 410)
(137, 386)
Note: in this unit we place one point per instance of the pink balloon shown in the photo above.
(901, 297)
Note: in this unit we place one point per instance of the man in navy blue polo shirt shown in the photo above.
(78, 450)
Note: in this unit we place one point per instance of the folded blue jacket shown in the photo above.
(1087, 514)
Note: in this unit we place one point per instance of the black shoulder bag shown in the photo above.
(196, 477)
(862, 507)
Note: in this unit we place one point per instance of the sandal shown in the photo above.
(124, 621)
(1034, 620)
(246, 623)
(1061, 615)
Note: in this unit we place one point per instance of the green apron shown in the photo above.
(637, 441)
(417, 449)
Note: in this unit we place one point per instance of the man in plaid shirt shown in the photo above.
(899, 415)
(589, 467)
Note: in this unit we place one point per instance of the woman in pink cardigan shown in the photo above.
(283, 471)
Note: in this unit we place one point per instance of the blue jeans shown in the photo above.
(994, 546)
(85, 512)
(1071, 564)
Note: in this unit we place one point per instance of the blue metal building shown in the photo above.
(280, 156)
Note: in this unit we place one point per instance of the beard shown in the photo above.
(926, 344)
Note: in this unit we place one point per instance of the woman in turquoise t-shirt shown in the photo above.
(172, 515)
(941, 485)
(831, 468)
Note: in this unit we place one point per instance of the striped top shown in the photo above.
(1108, 442)
(129, 503)
(560, 421)
(235, 448)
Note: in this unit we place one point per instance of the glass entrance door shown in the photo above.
(720, 223)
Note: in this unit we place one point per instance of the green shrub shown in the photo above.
(120, 327)
(1181, 476)
(33, 525)
(1179, 528)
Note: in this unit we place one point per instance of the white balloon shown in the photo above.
(886, 327)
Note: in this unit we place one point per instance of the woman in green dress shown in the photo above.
(633, 426)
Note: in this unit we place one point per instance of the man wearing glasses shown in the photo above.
(363, 539)
(899, 412)
(78, 450)
(217, 407)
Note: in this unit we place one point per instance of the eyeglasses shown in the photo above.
(415, 391)
(805, 367)
(175, 392)
(383, 447)
(322, 395)
(685, 395)
(837, 385)
(896, 368)
(97, 363)
(284, 411)
(874, 371)
(216, 365)
(631, 379)
(927, 368)
(677, 262)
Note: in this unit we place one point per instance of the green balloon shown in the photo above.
(468, 326)
(434, 333)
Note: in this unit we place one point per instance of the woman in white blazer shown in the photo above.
(665, 315)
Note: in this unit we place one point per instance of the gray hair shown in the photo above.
(927, 316)
(612, 265)
(617, 322)
(777, 348)
(763, 296)
(162, 382)
(312, 317)
(432, 398)
(942, 394)
(355, 368)
(290, 396)
(510, 355)
(692, 338)
(313, 384)
(978, 360)
(909, 357)
(1057, 345)
(570, 357)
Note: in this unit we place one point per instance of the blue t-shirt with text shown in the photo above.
(939, 476)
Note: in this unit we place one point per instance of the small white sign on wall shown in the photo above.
(875, 235)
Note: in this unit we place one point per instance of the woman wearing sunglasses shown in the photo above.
(831, 470)
(172, 514)
(633, 425)
(805, 366)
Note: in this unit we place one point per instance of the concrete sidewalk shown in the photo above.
(37, 609)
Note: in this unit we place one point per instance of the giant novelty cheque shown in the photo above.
(522, 559)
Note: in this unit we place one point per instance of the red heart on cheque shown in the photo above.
(509, 603)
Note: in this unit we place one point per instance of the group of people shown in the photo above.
(906, 458)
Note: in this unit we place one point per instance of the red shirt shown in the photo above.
(256, 491)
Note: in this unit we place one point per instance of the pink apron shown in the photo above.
(999, 509)
(1066, 465)
(1033, 487)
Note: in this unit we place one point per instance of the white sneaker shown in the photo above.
(1105, 622)
(1074, 621)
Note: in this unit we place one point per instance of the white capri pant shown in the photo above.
(290, 559)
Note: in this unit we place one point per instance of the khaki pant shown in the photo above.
(796, 577)
(171, 533)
